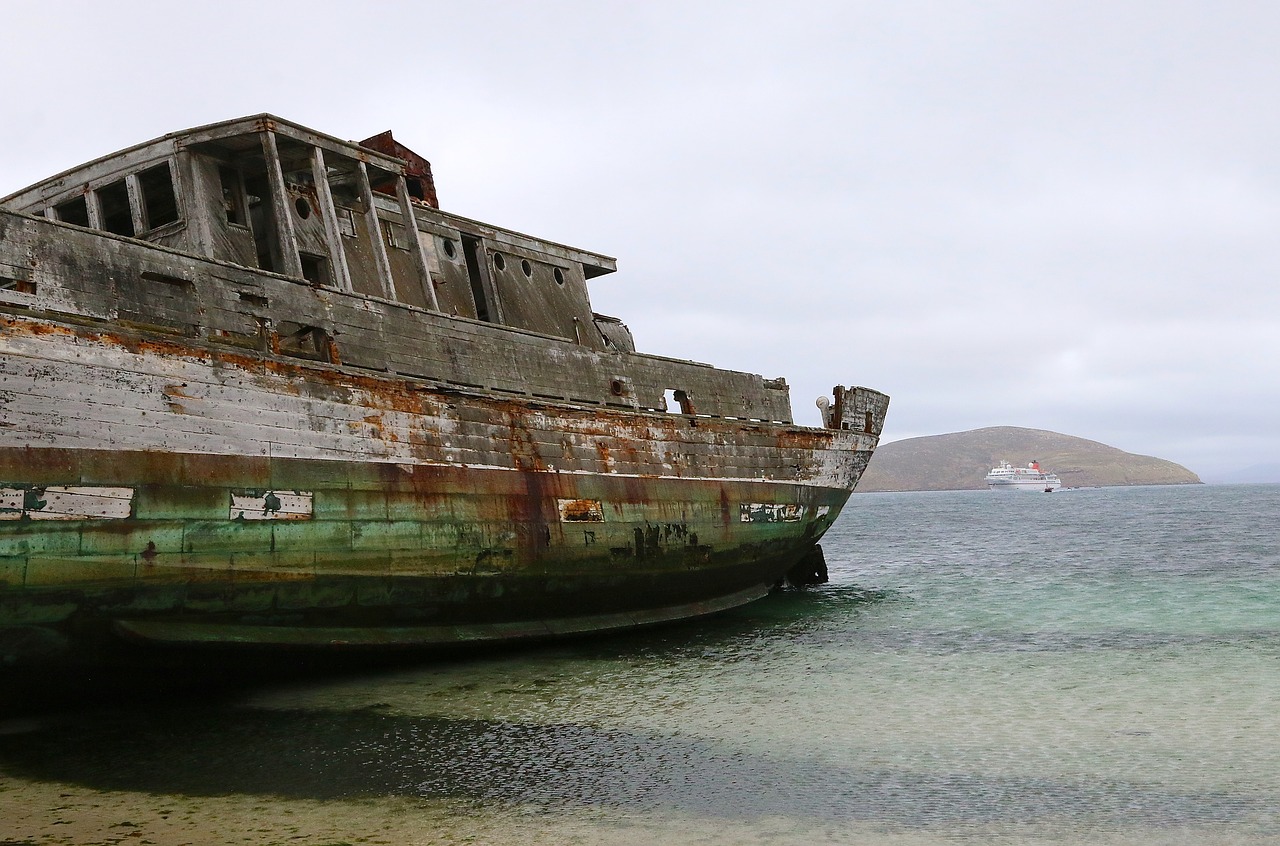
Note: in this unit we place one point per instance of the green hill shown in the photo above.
(960, 461)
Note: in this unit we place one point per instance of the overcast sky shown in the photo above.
(1060, 215)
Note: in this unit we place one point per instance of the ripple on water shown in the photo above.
(1092, 667)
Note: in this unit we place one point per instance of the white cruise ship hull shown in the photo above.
(1024, 484)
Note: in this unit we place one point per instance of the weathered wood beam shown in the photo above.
(285, 247)
(332, 234)
(377, 242)
(94, 209)
(137, 209)
(419, 253)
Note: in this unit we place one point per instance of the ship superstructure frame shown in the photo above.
(256, 387)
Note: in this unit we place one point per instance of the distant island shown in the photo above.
(960, 461)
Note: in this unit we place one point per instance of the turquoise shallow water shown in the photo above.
(1091, 666)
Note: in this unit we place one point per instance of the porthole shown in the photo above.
(527, 268)
(450, 249)
(559, 276)
(303, 207)
(499, 261)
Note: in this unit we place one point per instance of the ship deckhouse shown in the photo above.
(264, 193)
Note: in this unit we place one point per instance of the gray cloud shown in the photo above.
(1059, 215)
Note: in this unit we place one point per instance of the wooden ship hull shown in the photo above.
(256, 389)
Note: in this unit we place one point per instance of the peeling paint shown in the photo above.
(271, 505)
(61, 502)
(767, 512)
(580, 511)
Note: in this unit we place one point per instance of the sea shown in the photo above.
(1092, 666)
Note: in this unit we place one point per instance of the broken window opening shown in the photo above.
(344, 187)
(676, 398)
(232, 195)
(315, 269)
(117, 217)
(382, 183)
(159, 202)
(18, 286)
(74, 211)
(299, 341)
(261, 219)
(471, 246)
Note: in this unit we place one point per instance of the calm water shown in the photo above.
(1091, 666)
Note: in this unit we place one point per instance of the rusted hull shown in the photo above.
(233, 550)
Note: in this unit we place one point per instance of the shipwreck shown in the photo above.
(257, 389)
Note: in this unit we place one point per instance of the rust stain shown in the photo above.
(581, 511)
(606, 430)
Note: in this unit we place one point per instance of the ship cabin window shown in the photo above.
(232, 197)
(869, 424)
(344, 186)
(18, 286)
(474, 256)
(677, 399)
(74, 211)
(130, 206)
(160, 205)
(315, 269)
(261, 218)
(300, 341)
(117, 217)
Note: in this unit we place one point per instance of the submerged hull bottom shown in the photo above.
(178, 632)
(367, 613)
